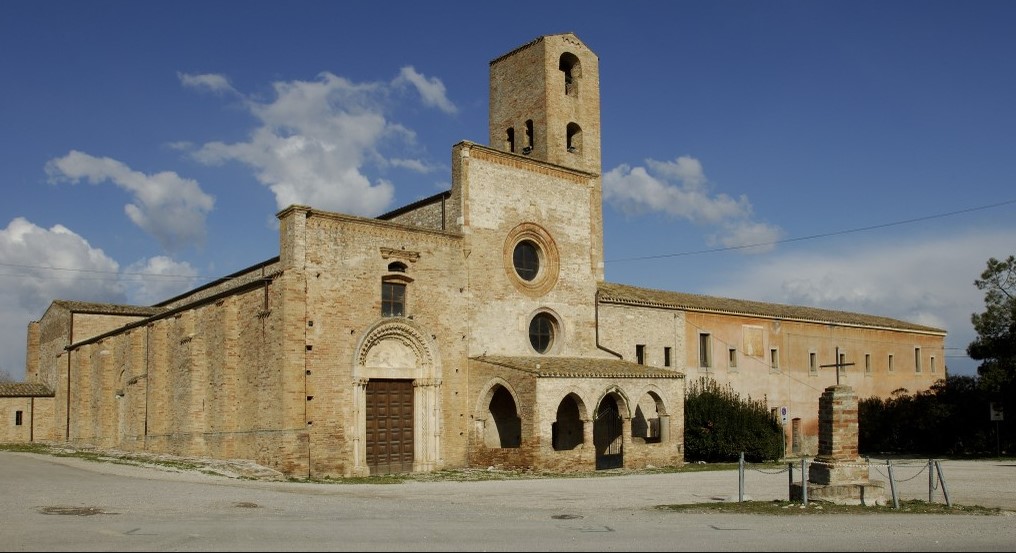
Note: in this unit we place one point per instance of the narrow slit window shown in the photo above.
(666, 356)
(640, 354)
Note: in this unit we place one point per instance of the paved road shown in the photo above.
(66, 504)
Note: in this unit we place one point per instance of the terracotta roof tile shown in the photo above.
(631, 295)
(579, 367)
(24, 389)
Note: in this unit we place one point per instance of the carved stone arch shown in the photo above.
(657, 394)
(396, 343)
(622, 399)
(584, 409)
(488, 392)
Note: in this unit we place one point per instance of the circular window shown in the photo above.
(531, 260)
(526, 259)
(541, 332)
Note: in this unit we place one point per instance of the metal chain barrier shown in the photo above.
(931, 466)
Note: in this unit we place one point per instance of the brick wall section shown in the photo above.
(837, 461)
(837, 436)
(36, 417)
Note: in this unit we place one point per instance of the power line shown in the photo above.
(118, 274)
(814, 236)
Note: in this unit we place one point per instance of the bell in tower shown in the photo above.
(545, 102)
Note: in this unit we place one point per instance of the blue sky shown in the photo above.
(867, 146)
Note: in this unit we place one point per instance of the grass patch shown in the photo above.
(788, 508)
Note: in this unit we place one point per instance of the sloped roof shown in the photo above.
(108, 308)
(632, 295)
(578, 367)
(24, 389)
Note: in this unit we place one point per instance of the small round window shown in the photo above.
(541, 332)
(526, 259)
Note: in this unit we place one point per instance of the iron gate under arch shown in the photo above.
(607, 435)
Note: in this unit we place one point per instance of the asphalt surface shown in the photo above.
(53, 503)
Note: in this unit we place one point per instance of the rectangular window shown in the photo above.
(17, 418)
(732, 357)
(812, 363)
(704, 353)
(841, 363)
(393, 299)
(891, 367)
(917, 360)
(932, 364)
(666, 356)
(774, 359)
(640, 354)
(867, 363)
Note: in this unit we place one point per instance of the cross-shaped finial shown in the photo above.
(838, 365)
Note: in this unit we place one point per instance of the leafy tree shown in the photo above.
(995, 345)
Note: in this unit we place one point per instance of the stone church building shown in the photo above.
(468, 329)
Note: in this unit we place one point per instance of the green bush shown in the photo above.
(951, 418)
(719, 425)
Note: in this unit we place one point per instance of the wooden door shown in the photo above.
(389, 439)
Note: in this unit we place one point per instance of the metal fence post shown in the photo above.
(804, 481)
(740, 479)
(931, 480)
(941, 481)
(892, 484)
(790, 484)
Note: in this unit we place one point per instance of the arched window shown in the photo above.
(529, 137)
(574, 134)
(509, 142)
(571, 70)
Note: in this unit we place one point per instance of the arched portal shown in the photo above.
(396, 396)
(608, 434)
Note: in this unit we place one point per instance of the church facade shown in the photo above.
(473, 328)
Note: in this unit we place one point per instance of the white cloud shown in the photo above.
(40, 265)
(158, 278)
(927, 281)
(209, 81)
(170, 208)
(680, 189)
(312, 142)
(431, 90)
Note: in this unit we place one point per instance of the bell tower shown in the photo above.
(545, 102)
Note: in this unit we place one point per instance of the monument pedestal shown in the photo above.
(837, 475)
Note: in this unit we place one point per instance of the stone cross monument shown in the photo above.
(838, 475)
